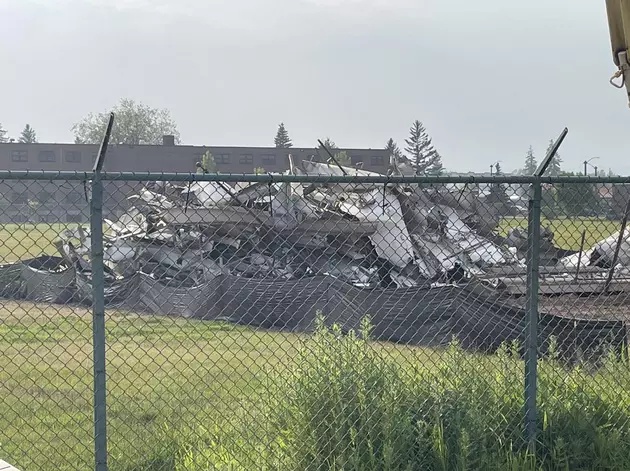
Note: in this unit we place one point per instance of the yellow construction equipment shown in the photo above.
(619, 26)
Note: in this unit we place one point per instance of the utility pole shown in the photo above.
(491, 167)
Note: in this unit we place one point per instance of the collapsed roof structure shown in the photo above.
(424, 263)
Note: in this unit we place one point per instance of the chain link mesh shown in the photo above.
(315, 326)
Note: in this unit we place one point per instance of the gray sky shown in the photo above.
(487, 77)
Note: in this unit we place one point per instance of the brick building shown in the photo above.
(57, 201)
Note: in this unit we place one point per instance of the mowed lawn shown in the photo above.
(161, 371)
(18, 241)
(568, 231)
(164, 375)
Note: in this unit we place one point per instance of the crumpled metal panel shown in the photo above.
(48, 279)
(173, 299)
(11, 280)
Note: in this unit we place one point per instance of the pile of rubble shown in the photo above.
(273, 254)
(367, 235)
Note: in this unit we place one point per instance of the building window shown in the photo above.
(378, 160)
(19, 197)
(269, 159)
(19, 155)
(356, 159)
(72, 155)
(47, 156)
(246, 159)
(222, 159)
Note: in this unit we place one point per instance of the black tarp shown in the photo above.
(284, 304)
(174, 299)
(425, 316)
(118, 291)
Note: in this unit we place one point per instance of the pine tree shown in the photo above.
(282, 138)
(343, 158)
(554, 166)
(424, 158)
(392, 149)
(437, 168)
(28, 135)
(530, 162)
(3, 134)
(207, 163)
(330, 144)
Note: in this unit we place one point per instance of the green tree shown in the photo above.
(497, 169)
(530, 162)
(577, 199)
(424, 158)
(330, 144)
(28, 135)
(437, 168)
(392, 149)
(3, 134)
(343, 158)
(135, 123)
(554, 167)
(207, 163)
(259, 171)
(282, 138)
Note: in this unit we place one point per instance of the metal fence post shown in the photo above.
(98, 307)
(531, 336)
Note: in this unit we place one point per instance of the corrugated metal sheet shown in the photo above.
(118, 292)
(196, 301)
(11, 280)
(42, 283)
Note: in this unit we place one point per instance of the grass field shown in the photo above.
(161, 372)
(19, 241)
(568, 232)
(193, 395)
(190, 395)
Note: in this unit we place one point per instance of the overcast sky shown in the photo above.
(486, 77)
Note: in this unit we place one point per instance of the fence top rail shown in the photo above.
(276, 178)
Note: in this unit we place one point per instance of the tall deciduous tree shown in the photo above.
(135, 123)
(554, 167)
(28, 135)
(3, 134)
(424, 158)
(530, 162)
(282, 138)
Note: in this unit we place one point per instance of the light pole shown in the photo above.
(588, 162)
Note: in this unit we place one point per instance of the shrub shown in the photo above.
(349, 404)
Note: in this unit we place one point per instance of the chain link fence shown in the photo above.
(195, 322)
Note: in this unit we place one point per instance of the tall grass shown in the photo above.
(347, 404)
